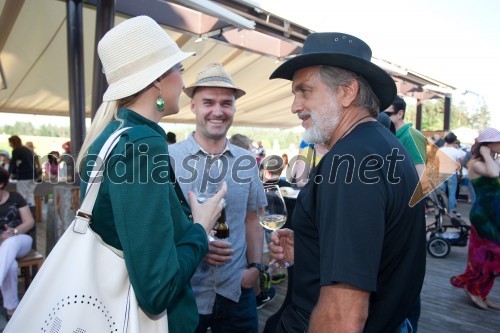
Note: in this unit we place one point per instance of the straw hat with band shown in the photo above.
(214, 75)
(343, 51)
(128, 69)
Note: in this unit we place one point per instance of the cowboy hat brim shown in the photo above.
(381, 83)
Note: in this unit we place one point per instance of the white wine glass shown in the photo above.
(273, 216)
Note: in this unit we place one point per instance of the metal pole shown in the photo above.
(418, 120)
(447, 113)
(105, 20)
(76, 77)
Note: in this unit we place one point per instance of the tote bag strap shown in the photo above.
(94, 183)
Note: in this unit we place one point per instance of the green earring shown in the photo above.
(160, 104)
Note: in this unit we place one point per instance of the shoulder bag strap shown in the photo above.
(95, 179)
(185, 204)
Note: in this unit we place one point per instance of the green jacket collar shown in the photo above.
(133, 117)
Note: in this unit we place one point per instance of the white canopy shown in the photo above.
(33, 45)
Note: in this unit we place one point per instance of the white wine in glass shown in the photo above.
(273, 222)
(273, 216)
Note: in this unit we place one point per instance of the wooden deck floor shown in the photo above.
(444, 308)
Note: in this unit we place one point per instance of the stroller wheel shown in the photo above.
(438, 247)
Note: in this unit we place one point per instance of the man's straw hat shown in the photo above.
(214, 75)
(134, 54)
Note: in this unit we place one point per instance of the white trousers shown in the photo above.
(26, 188)
(10, 249)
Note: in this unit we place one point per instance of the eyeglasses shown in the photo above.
(176, 68)
(390, 113)
(180, 68)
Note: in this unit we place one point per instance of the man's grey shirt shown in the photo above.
(244, 194)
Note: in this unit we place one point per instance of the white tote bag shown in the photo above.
(83, 285)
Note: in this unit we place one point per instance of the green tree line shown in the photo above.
(433, 115)
(266, 135)
(25, 128)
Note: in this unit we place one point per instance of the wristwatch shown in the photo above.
(259, 266)
(16, 231)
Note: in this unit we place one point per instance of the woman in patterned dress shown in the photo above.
(483, 264)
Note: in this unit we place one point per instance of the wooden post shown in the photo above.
(418, 120)
(61, 213)
(76, 76)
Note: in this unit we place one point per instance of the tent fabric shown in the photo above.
(34, 59)
(35, 67)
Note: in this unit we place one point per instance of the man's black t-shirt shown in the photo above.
(21, 164)
(353, 225)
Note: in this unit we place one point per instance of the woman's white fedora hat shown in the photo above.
(134, 54)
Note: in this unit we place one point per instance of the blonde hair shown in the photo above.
(107, 112)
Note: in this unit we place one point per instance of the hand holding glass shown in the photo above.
(273, 216)
(221, 229)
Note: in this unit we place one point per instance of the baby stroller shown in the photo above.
(440, 240)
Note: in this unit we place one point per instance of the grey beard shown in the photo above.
(322, 127)
(313, 135)
(321, 133)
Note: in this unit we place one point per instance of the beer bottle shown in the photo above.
(221, 228)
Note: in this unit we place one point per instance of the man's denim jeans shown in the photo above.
(406, 327)
(232, 317)
(451, 184)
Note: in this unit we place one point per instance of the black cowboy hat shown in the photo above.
(343, 51)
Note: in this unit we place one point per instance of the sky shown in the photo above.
(453, 41)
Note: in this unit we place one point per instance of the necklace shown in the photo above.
(352, 126)
(210, 155)
(214, 156)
